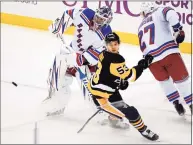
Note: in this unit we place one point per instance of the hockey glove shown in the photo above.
(149, 59)
(144, 63)
(54, 28)
(179, 34)
(123, 85)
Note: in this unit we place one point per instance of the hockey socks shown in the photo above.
(184, 88)
(138, 124)
(143, 129)
(172, 97)
(135, 119)
(188, 99)
(133, 116)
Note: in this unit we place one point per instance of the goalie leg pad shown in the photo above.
(57, 72)
(58, 102)
(57, 76)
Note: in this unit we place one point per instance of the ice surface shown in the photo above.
(26, 55)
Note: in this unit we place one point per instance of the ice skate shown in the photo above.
(150, 135)
(179, 108)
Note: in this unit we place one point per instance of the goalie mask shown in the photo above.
(103, 16)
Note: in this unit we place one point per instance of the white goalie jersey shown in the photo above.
(84, 37)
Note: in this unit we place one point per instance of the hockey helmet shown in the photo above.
(147, 7)
(112, 37)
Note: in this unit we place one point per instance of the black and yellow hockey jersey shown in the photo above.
(110, 70)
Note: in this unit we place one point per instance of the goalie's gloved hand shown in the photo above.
(123, 85)
(144, 63)
(54, 28)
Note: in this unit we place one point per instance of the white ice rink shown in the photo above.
(26, 55)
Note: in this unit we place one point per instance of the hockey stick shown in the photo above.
(88, 120)
(99, 109)
(13, 83)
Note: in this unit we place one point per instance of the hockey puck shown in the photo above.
(14, 84)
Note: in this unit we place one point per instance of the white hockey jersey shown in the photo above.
(84, 37)
(154, 32)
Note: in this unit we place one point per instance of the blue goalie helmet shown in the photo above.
(103, 16)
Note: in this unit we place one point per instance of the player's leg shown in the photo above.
(130, 112)
(110, 119)
(177, 70)
(160, 73)
(116, 100)
(136, 120)
(103, 117)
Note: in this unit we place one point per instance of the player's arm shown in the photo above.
(172, 17)
(62, 23)
(132, 74)
(118, 68)
(135, 72)
(91, 54)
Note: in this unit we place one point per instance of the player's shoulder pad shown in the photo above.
(87, 15)
(165, 10)
(113, 57)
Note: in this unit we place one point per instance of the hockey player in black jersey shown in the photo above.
(112, 74)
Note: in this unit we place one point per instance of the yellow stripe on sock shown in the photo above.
(138, 122)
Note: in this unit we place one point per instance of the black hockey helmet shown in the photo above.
(112, 37)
